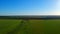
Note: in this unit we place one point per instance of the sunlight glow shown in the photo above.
(58, 4)
(55, 12)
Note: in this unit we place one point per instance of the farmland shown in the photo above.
(13, 26)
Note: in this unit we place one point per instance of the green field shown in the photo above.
(10, 26)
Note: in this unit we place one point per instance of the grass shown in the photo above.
(8, 26)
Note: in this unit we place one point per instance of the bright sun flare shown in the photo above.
(57, 12)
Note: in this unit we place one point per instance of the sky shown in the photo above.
(29, 7)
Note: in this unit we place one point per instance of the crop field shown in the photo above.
(11, 26)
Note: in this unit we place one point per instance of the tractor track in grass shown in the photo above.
(22, 28)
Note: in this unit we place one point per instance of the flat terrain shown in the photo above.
(11, 26)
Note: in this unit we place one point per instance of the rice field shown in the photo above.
(11, 26)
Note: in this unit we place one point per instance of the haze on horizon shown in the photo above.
(29, 7)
